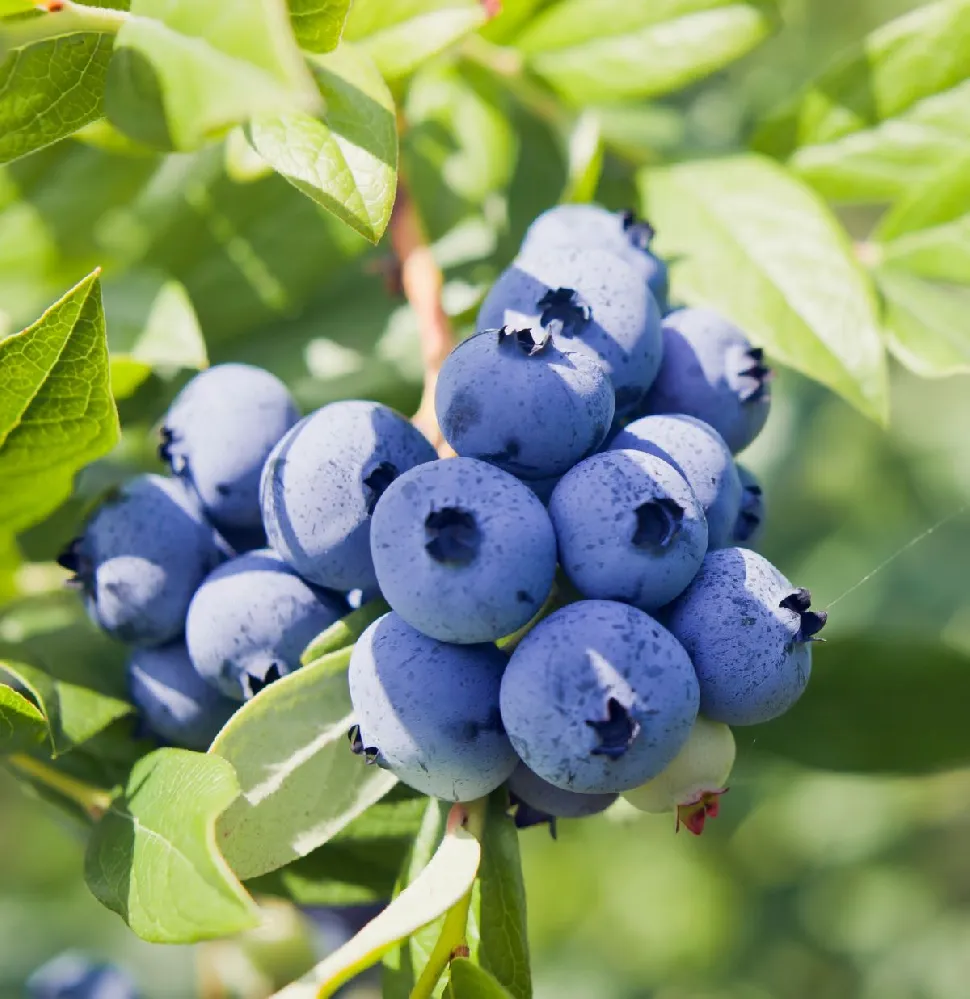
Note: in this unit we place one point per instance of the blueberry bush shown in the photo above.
(372, 376)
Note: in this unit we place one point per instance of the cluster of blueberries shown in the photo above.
(594, 432)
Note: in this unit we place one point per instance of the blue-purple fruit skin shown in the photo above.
(629, 528)
(699, 453)
(540, 795)
(431, 710)
(751, 520)
(711, 371)
(593, 225)
(71, 975)
(142, 556)
(623, 330)
(175, 702)
(464, 552)
(218, 433)
(751, 655)
(588, 663)
(322, 481)
(522, 403)
(250, 621)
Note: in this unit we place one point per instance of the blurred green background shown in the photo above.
(812, 883)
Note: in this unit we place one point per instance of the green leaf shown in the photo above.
(925, 323)
(183, 72)
(886, 114)
(344, 632)
(345, 160)
(56, 411)
(585, 162)
(400, 35)
(468, 981)
(928, 232)
(300, 783)
(751, 241)
(16, 6)
(887, 704)
(21, 724)
(604, 50)
(360, 864)
(153, 858)
(441, 884)
(318, 24)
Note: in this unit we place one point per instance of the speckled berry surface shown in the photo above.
(141, 557)
(250, 621)
(699, 453)
(516, 400)
(174, 701)
(430, 710)
(748, 632)
(590, 300)
(629, 528)
(599, 697)
(712, 371)
(464, 552)
(218, 432)
(538, 795)
(322, 481)
(751, 519)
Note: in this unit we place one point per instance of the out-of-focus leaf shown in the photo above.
(318, 24)
(511, 18)
(153, 857)
(56, 410)
(585, 159)
(345, 160)
(21, 724)
(603, 50)
(876, 704)
(885, 115)
(469, 981)
(182, 72)
(753, 242)
(300, 783)
(16, 6)
(925, 322)
(399, 35)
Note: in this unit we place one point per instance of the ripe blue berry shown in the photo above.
(71, 975)
(322, 482)
(749, 633)
(699, 453)
(464, 552)
(598, 697)
(536, 800)
(589, 300)
(218, 432)
(429, 711)
(250, 621)
(711, 371)
(750, 523)
(629, 528)
(141, 557)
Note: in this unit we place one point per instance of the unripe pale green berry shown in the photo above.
(693, 782)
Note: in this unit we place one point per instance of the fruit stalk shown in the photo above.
(93, 801)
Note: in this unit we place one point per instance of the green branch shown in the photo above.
(59, 18)
(92, 800)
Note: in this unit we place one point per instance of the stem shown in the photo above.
(422, 282)
(451, 940)
(92, 800)
(60, 17)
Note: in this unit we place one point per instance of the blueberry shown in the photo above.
(141, 557)
(699, 453)
(322, 482)
(710, 370)
(629, 528)
(598, 697)
(516, 400)
(73, 976)
(429, 711)
(589, 300)
(621, 233)
(178, 705)
(250, 621)
(218, 432)
(750, 522)
(464, 552)
(536, 800)
(748, 632)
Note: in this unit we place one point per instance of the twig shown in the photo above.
(92, 800)
(422, 283)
